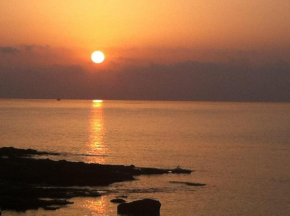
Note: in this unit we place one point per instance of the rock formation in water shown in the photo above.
(118, 200)
(188, 183)
(145, 207)
(26, 183)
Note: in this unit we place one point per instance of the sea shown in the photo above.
(241, 151)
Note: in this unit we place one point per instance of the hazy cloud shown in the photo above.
(24, 49)
(182, 81)
(8, 50)
(36, 56)
(236, 75)
(31, 48)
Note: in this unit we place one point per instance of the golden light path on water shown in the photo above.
(96, 140)
(97, 206)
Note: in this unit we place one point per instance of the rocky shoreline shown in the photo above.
(29, 183)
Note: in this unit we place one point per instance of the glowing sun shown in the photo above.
(98, 57)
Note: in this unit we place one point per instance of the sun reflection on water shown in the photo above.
(97, 206)
(96, 142)
(97, 102)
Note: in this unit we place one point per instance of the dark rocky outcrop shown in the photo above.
(26, 183)
(64, 173)
(118, 200)
(122, 197)
(15, 152)
(155, 171)
(180, 171)
(188, 183)
(145, 207)
(20, 196)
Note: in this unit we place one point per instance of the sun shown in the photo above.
(98, 57)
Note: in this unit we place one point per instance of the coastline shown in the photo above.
(28, 183)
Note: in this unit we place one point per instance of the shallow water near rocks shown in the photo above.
(241, 151)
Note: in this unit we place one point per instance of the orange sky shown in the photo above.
(212, 50)
(154, 31)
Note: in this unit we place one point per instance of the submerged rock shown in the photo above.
(150, 171)
(118, 200)
(122, 196)
(188, 183)
(145, 207)
(181, 171)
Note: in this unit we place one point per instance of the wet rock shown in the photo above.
(179, 170)
(22, 197)
(188, 183)
(155, 171)
(118, 200)
(145, 207)
(65, 173)
(27, 183)
(123, 196)
(195, 184)
(61, 173)
(15, 152)
(50, 208)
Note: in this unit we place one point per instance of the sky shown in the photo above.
(200, 50)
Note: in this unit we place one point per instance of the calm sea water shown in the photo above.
(240, 150)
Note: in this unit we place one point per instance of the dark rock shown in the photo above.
(61, 173)
(195, 184)
(118, 200)
(123, 196)
(15, 152)
(64, 173)
(188, 183)
(145, 207)
(155, 171)
(181, 171)
(50, 208)
(21, 197)
(22, 179)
